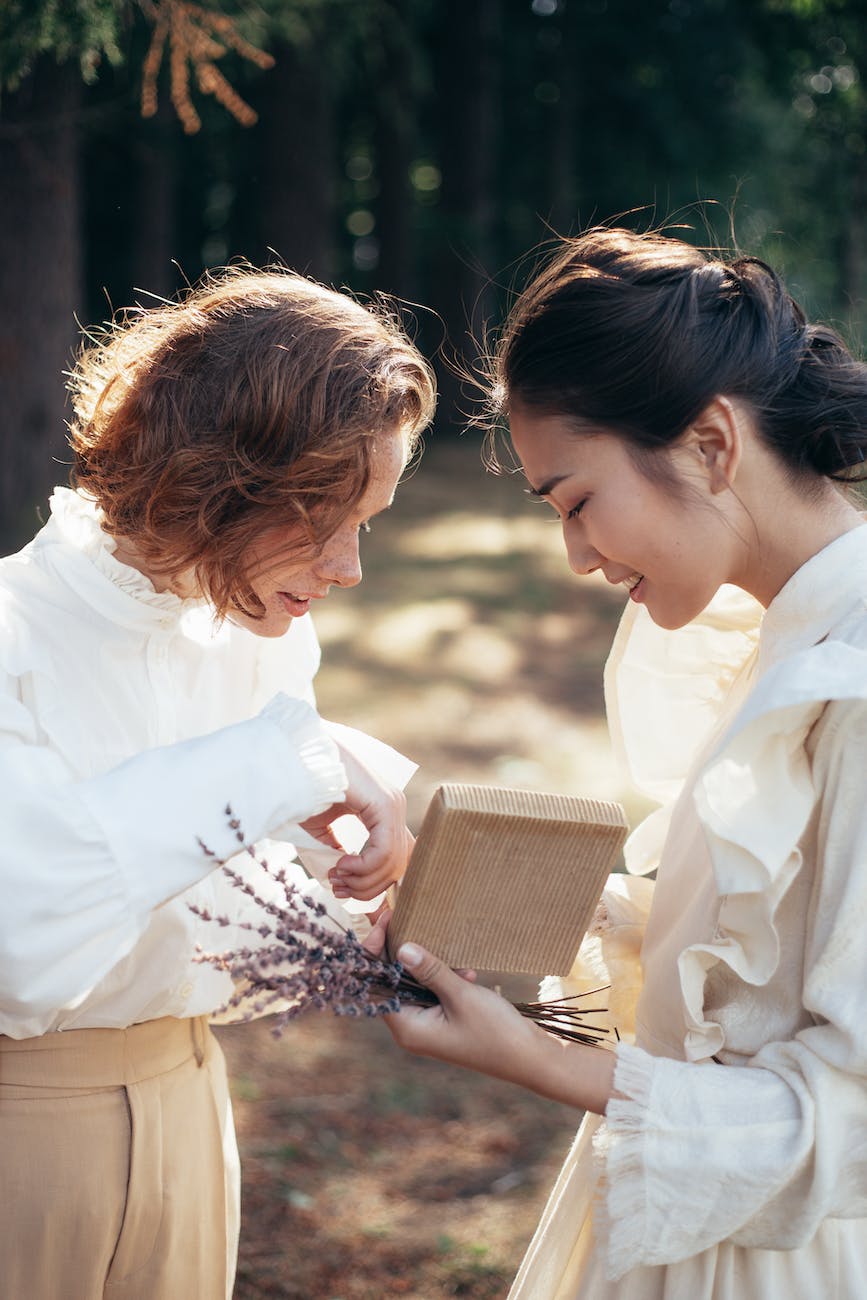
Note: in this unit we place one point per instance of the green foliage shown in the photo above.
(87, 30)
(464, 132)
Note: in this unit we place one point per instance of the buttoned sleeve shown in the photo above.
(694, 1153)
(84, 862)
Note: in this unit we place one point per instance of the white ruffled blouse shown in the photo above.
(732, 1163)
(128, 721)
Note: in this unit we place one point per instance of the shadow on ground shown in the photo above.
(470, 647)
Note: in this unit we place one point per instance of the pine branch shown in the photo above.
(196, 37)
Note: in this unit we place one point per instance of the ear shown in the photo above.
(716, 438)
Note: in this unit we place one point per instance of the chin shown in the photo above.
(269, 630)
(270, 627)
(671, 624)
(671, 620)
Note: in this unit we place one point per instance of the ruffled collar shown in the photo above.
(817, 597)
(666, 690)
(76, 545)
(755, 794)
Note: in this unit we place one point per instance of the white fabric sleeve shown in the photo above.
(83, 863)
(694, 1154)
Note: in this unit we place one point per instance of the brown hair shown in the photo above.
(251, 403)
(637, 333)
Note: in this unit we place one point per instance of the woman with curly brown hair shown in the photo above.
(155, 663)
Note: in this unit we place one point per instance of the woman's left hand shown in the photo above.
(374, 942)
(382, 809)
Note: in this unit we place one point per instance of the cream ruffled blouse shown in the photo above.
(128, 721)
(732, 1163)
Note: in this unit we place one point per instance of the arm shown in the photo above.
(772, 1148)
(759, 1154)
(83, 863)
(476, 1028)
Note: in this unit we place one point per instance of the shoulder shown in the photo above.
(802, 724)
(44, 620)
(838, 743)
(828, 677)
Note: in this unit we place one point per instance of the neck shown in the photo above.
(790, 529)
(180, 585)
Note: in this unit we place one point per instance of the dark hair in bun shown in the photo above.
(639, 332)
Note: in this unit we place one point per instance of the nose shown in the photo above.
(583, 559)
(340, 562)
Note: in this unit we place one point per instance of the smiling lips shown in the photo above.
(634, 583)
(297, 605)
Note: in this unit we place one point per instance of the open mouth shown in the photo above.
(294, 604)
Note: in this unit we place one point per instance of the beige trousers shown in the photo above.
(118, 1165)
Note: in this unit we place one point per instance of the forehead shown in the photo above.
(551, 448)
(387, 462)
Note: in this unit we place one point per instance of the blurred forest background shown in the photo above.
(416, 147)
(420, 148)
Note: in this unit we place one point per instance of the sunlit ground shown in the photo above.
(469, 646)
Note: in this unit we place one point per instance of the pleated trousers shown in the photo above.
(119, 1174)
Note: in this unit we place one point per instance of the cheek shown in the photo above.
(284, 576)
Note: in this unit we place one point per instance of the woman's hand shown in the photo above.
(472, 1026)
(382, 809)
(476, 1028)
(374, 942)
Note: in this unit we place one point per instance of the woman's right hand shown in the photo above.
(471, 1026)
(474, 1027)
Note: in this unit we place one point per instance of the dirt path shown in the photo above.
(471, 648)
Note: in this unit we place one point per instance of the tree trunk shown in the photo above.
(562, 160)
(851, 237)
(296, 159)
(394, 145)
(154, 241)
(40, 288)
(468, 94)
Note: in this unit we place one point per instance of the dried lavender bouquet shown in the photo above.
(304, 957)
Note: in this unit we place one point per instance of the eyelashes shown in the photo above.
(570, 514)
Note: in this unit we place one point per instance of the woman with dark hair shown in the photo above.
(156, 665)
(696, 436)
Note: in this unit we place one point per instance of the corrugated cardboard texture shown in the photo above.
(507, 880)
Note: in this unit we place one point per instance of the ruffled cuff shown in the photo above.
(678, 1138)
(621, 1213)
(315, 750)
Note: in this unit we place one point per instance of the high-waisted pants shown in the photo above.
(118, 1165)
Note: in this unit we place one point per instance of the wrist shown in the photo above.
(574, 1074)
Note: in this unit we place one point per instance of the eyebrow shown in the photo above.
(545, 489)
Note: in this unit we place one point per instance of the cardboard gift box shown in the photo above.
(506, 880)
